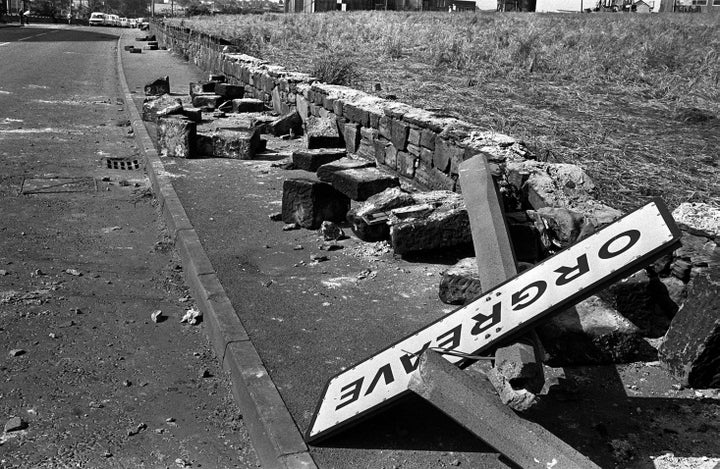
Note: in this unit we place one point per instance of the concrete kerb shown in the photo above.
(275, 437)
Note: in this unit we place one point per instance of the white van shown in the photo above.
(113, 20)
(97, 19)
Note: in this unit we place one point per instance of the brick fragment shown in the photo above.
(309, 202)
(312, 160)
(359, 184)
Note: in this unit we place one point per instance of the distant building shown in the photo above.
(706, 7)
(310, 6)
(641, 7)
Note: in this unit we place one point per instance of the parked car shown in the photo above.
(143, 24)
(113, 20)
(97, 19)
(133, 22)
(124, 23)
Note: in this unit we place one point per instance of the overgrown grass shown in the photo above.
(609, 92)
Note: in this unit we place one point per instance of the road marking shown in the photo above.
(31, 37)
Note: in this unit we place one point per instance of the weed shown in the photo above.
(335, 68)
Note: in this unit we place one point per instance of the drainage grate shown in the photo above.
(125, 164)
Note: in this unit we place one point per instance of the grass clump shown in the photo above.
(335, 69)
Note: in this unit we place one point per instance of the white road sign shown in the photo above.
(558, 282)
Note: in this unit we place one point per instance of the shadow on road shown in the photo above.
(44, 34)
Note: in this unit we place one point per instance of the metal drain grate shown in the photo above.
(125, 164)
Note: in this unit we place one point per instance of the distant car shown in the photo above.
(113, 20)
(97, 19)
(132, 22)
(124, 23)
(143, 24)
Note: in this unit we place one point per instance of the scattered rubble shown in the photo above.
(157, 316)
(15, 424)
(192, 317)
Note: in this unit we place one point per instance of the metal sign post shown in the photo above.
(507, 310)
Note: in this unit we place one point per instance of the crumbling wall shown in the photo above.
(423, 148)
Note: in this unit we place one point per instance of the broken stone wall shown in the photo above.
(419, 146)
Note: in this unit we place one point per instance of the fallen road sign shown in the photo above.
(570, 276)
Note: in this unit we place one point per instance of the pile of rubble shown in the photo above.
(548, 208)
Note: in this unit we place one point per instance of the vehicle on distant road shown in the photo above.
(143, 24)
(132, 22)
(114, 20)
(97, 19)
(124, 23)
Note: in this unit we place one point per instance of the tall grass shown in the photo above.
(608, 91)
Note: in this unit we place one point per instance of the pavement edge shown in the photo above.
(274, 435)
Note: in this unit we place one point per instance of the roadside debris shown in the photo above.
(73, 272)
(16, 352)
(15, 424)
(192, 317)
(331, 231)
(141, 426)
(157, 316)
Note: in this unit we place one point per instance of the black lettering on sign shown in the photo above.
(386, 372)
(451, 342)
(632, 237)
(486, 322)
(523, 296)
(566, 273)
(407, 362)
(353, 393)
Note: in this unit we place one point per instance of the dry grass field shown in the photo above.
(633, 99)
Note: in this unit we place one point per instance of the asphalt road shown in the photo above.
(84, 262)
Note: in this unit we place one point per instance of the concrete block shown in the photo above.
(207, 101)
(309, 202)
(248, 105)
(287, 124)
(326, 171)
(158, 87)
(235, 143)
(322, 133)
(228, 91)
(312, 160)
(162, 106)
(691, 347)
(176, 136)
(359, 184)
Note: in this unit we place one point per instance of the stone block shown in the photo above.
(359, 184)
(326, 171)
(309, 202)
(446, 226)
(151, 47)
(136, 50)
(427, 139)
(525, 239)
(356, 113)
(591, 333)
(162, 106)
(369, 220)
(559, 227)
(432, 179)
(203, 87)
(460, 283)
(217, 77)
(204, 145)
(241, 144)
(322, 133)
(445, 153)
(176, 136)
(287, 124)
(426, 157)
(158, 87)
(399, 133)
(312, 160)
(192, 113)
(413, 150)
(699, 219)
(229, 92)
(381, 146)
(351, 133)
(391, 157)
(207, 101)
(414, 136)
(384, 127)
(279, 101)
(248, 105)
(406, 164)
(366, 150)
(691, 346)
